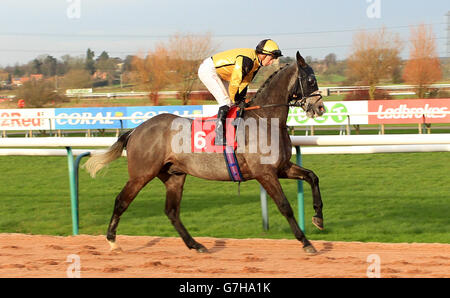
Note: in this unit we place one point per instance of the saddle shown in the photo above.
(203, 135)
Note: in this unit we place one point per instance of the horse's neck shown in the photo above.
(275, 93)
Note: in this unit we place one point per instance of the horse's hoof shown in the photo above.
(310, 249)
(318, 222)
(201, 249)
(115, 247)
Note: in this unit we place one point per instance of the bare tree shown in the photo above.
(77, 79)
(374, 57)
(152, 71)
(423, 67)
(38, 94)
(187, 51)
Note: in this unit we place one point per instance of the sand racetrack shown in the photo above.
(50, 256)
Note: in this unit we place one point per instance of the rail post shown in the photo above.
(300, 195)
(265, 214)
(73, 181)
(77, 166)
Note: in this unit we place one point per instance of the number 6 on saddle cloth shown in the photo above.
(203, 135)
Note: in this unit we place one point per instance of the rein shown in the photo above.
(301, 102)
(294, 101)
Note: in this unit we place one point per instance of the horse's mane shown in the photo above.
(268, 80)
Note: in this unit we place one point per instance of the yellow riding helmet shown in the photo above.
(268, 47)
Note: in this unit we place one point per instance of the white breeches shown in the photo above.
(215, 85)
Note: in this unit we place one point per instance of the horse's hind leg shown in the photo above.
(174, 191)
(123, 200)
(273, 188)
(297, 172)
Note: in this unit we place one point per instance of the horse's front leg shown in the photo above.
(296, 172)
(273, 188)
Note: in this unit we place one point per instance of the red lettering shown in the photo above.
(36, 122)
(5, 122)
(15, 120)
(26, 122)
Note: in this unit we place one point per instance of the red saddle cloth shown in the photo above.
(203, 133)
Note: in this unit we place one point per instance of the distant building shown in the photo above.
(20, 81)
(100, 75)
(36, 77)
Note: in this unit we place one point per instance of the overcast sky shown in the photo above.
(315, 27)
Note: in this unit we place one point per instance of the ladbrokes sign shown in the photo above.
(409, 111)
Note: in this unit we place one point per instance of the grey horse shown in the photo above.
(151, 153)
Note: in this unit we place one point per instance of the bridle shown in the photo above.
(296, 101)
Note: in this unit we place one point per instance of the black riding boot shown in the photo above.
(220, 126)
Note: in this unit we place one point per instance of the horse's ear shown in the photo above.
(300, 61)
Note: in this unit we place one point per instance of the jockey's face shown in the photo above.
(268, 60)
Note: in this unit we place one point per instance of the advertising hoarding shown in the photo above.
(298, 118)
(147, 112)
(398, 112)
(94, 118)
(27, 119)
(409, 111)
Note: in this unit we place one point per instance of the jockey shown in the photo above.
(227, 75)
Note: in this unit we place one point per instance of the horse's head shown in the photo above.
(305, 91)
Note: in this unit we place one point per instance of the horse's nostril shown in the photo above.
(321, 109)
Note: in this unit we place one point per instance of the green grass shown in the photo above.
(330, 79)
(384, 197)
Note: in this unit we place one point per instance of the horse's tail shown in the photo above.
(97, 162)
